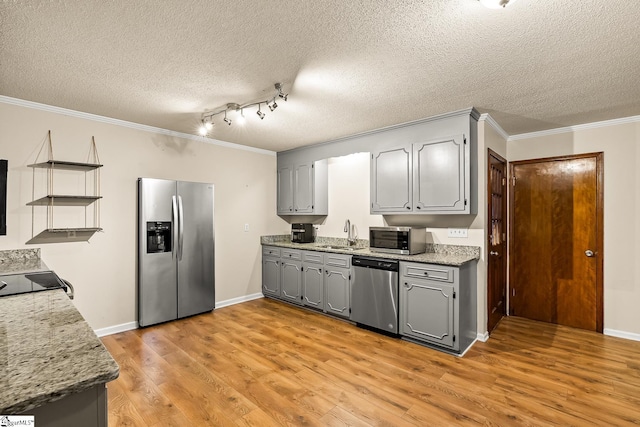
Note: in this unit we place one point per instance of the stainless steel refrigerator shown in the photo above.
(175, 250)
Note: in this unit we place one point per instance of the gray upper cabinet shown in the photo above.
(432, 177)
(302, 188)
(285, 190)
(391, 180)
(439, 175)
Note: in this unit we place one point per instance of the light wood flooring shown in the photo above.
(265, 363)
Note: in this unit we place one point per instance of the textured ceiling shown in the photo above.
(349, 66)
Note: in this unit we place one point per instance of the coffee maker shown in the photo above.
(303, 233)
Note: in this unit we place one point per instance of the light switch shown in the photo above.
(246, 227)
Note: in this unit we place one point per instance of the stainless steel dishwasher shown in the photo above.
(374, 293)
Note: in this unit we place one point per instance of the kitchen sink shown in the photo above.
(342, 248)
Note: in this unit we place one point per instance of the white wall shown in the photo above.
(620, 144)
(103, 270)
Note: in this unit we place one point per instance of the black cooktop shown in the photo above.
(14, 284)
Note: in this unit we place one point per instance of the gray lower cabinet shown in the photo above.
(313, 280)
(271, 271)
(337, 284)
(291, 276)
(87, 408)
(438, 304)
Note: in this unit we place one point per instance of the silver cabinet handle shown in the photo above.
(493, 253)
(589, 253)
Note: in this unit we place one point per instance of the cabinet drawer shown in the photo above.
(270, 251)
(291, 254)
(337, 260)
(313, 257)
(429, 271)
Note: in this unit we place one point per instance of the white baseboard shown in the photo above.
(238, 300)
(483, 337)
(622, 334)
(110, 330)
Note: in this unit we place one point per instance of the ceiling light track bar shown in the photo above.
(207, 117)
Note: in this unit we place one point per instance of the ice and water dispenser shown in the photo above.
(158, 237)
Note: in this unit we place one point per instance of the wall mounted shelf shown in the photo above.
(51, 200)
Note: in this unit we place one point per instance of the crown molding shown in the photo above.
(568, 129)
(491, 121)
(130, 125)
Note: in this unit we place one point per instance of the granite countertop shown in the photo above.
(21, 261)
(452, 255)
(47, 350)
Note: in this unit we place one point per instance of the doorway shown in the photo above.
(496, 239)
(556, 240)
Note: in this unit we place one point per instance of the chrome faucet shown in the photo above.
(351, 235)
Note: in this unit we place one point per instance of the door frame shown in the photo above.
(599, 156)
(507, 230)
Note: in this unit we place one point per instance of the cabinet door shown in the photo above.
(285, 190)
(313, 286)
(439, 175)
(427, 311)
(271, 276)
(336, 284)
(303, 188)
(391, 180)
(291, 281)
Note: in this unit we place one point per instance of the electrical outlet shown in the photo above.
(246, 227)
(458, 232)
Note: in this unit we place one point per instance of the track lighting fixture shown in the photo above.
(207, 117)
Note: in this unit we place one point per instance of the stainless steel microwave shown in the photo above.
(398, 240)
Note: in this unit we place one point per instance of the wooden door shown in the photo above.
(556, 254)
(497, 240)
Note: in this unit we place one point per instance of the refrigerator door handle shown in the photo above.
(174, 224)
(180, 228)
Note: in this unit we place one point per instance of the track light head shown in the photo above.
(281, 94)
(227, 121)
(202, 130)
(273, 106)
(260, 113)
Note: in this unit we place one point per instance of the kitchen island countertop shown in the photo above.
(47, 351)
